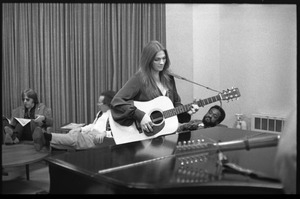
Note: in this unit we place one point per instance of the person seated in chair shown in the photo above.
(83, 137)
(38, 113)
(213, 117)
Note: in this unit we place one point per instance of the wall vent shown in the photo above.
(267, 123)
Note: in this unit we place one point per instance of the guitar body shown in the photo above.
(154, 108)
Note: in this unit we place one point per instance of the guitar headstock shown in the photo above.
(233, 93)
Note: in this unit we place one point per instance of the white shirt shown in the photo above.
(99, 124)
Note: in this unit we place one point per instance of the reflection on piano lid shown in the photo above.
(196, 161)
(187, 166)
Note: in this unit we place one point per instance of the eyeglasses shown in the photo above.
(26, 99)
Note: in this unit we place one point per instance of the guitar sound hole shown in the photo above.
(157, 117)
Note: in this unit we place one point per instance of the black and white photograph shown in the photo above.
(149, 97)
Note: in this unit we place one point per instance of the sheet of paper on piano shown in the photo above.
(72, 125)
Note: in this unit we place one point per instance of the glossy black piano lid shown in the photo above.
(152, 165)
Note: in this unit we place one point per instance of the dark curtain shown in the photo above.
(70, 53)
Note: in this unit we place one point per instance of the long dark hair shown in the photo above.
(146, 61)
(30, 93)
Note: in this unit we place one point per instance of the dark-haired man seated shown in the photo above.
(83, 137)
(213, 117)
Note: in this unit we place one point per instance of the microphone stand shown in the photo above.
(182, 78)
(247, 144)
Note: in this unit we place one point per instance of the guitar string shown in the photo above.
(184, 108)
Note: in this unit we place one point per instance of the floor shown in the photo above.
(16, 182)
(39, 182)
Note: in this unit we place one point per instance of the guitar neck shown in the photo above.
(187, 107)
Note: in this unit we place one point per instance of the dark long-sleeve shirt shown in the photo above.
(125, 113)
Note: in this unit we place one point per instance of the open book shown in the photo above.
(72, 125)
(22, 121)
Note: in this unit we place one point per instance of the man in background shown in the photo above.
(213, 117)
(37, 114)
(83, 137)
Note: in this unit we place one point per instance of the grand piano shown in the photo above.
(216, 160)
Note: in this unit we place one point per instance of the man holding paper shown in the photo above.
(31, 116)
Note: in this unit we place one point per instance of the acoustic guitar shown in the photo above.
(163, 115)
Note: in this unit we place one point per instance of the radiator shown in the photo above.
(267, 123)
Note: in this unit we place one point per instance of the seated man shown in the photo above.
(213, 117)
(82, 137)
(39, 115)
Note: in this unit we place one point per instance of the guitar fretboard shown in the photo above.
(187, 107)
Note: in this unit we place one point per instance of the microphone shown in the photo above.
(179, 77)
(199, 147)
(248, 144)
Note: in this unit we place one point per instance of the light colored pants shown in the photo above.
(75, 140)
